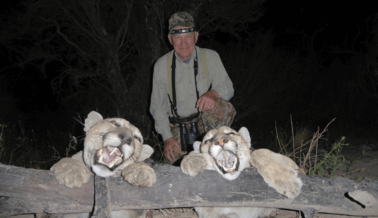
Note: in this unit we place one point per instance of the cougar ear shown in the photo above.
(92, 119)
(147, 151)
(245, 134)
(196, 146)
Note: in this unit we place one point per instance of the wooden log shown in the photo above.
(33, 191)
(103, 205)
(25, 191)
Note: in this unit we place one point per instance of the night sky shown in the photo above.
(337, 19)
(340, 22)
(338, 30)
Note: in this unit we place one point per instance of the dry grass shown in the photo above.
(305, 148)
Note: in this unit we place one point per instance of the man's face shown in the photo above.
(184, 43)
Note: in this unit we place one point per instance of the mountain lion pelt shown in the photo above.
(229, 152)
(112, 147)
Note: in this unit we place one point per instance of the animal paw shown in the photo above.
(139, 174)
(290, 187)
(71, 173)
(193, 164)
(278, 171)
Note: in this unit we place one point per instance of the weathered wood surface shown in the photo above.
(33, 191)
(25, 191)
(102, 203)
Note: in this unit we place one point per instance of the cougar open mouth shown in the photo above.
(109, 156)
(227, 161)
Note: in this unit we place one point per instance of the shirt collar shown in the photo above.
(191, 59)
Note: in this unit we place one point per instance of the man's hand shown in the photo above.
(168, 148)
(207, 101)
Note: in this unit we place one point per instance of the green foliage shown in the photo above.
(330, 161)
(351, 165)
(359, 178)
(351, 171)
(303, 149)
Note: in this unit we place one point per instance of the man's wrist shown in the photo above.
(168, 139)
(214, 94)
(166, 135)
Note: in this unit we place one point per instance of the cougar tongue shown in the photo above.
(109, 156)
(227, 160)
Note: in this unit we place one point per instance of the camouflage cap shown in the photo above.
(180, 19)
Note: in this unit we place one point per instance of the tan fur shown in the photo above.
(278, 171)
(101, 133)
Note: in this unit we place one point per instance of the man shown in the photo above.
(190, 95)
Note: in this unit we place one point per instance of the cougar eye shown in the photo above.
(231, 133)
(137, 138)
(129, 140)
(114, 123)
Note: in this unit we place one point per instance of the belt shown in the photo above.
(175, 120)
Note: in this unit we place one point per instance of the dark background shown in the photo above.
(309, 60)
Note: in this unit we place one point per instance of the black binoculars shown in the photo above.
(188, 134)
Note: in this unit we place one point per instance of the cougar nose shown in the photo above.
(221, 141)
(125, 138)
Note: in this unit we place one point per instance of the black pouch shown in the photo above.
(188, 134)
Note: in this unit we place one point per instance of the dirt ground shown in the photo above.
(361, 162)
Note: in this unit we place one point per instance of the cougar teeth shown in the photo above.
(227, 160)
(99, 152)
(111, 153)
(109, 156)
(115, 162)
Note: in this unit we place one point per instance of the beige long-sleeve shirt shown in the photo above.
(186, 96)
